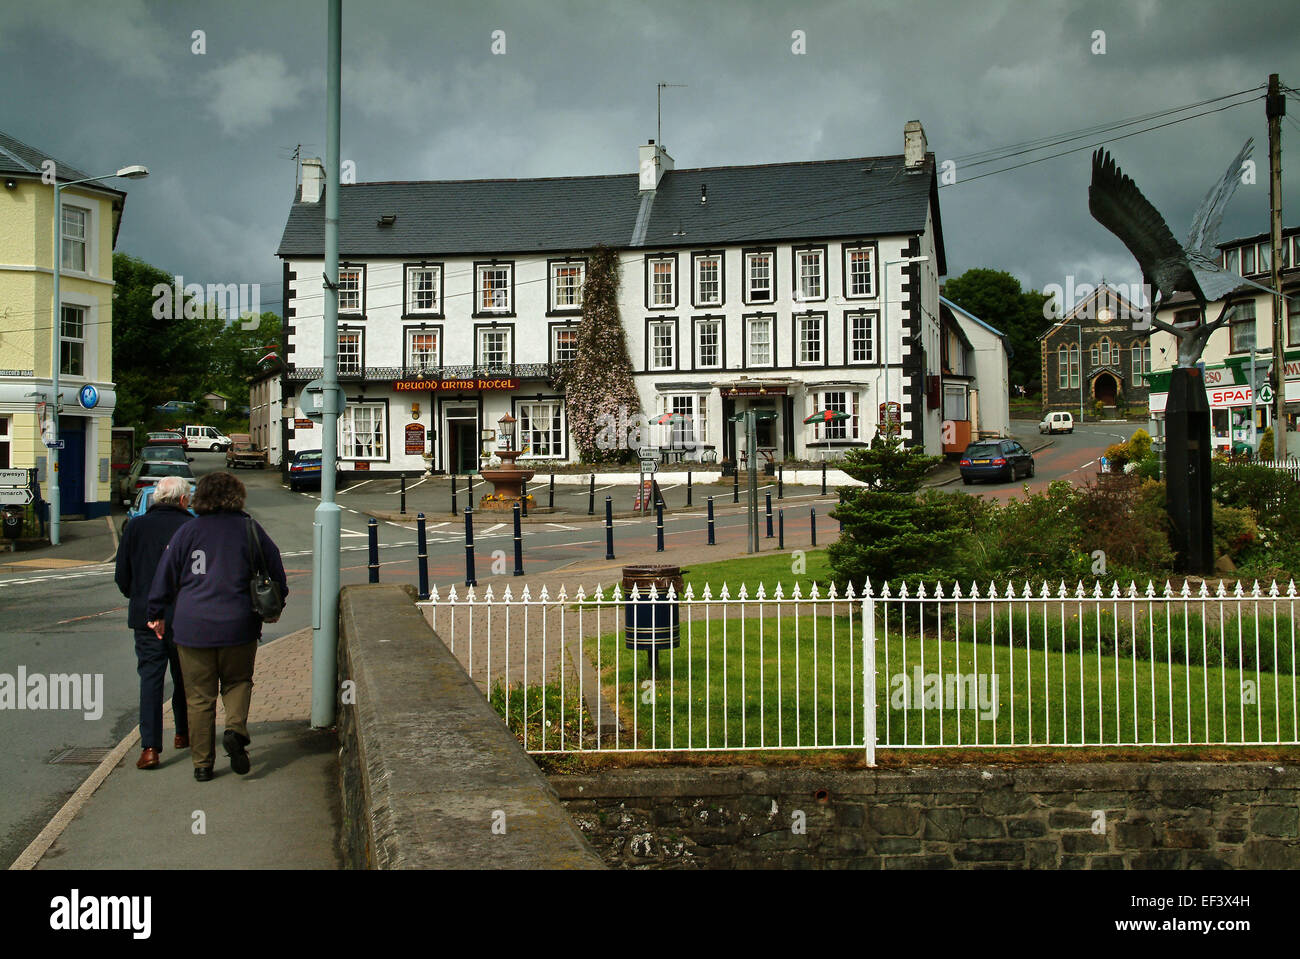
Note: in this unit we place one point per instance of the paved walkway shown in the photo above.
(284, 814)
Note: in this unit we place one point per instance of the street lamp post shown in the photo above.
(884, 333)
(56, 346)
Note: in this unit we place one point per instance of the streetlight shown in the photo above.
(134, 172)
(884, 335)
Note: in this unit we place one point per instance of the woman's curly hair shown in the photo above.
(219, 491)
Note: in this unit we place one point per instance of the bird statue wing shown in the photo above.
(1204, 233)
(1117, 204)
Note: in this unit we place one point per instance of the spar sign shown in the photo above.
(1231, 396)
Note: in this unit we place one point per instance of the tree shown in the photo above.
(996, 298)
(155, 359)
(164, 351)
(891, 531)
(599, 391)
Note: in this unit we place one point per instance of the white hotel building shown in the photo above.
(741, 287)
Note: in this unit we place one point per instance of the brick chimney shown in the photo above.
(313, 179)
(914, 145)
(653, 162)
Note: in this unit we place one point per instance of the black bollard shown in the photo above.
(523, 496)
(659, 527)
(735, 484)
(372, 530)
(812, 523)
(453, 494)
(823, 477)
(422, 555)
(712, 542)
(550, 500)
(780, 482)
(469, 490)
(609, 528)
(688, 487)
(469, 547)
(780, 529)
(402, 508)
(769, 515)
(591, 496)
(519, 544)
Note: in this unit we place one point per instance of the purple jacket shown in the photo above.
(205, 574)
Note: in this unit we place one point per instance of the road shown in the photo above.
(63, 621)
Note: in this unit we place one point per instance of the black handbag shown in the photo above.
(268, 603)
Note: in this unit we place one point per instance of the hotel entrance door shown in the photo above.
(462, 440)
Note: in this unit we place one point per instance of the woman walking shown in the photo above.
(205, 576)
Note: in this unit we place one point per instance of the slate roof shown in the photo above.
(865, 196)
(18, 157)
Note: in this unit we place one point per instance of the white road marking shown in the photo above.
(355, 486)
(561, 526)
(397, 492)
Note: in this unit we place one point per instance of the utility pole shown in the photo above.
(1275, 109)
(325, 554)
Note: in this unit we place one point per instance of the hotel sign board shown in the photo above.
(473, 383)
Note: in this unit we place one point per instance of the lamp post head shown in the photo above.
(133, 172)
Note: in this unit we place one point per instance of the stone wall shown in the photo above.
(431, 777)
(1058, 816)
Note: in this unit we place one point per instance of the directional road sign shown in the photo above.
(15, 497)
(13, 477)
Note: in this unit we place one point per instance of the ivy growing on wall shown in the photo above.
(599, 391)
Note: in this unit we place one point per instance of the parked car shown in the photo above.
(1057, 423)
(995, 459)
(166, 438)
(159, 452)
(206, 438)
(143, 500)
(146, 473)
(305, 469)
(175, 406)
(244, 452)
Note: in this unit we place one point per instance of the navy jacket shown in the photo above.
(205, 573)
(143, 541)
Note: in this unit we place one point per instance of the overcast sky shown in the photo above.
(102, 84)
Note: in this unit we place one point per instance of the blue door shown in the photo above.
(72, 467)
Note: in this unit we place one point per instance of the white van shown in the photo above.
(1057, 423)
(206, 438)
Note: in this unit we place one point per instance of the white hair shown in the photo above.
(171, 489)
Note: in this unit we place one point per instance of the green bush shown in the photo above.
(1235, 530)
(1139, 445)
(1266, 445)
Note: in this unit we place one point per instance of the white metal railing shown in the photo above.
(1289, 466)
(791, 669)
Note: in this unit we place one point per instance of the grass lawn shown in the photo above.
(787, 681)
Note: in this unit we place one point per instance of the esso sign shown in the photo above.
(1213, 377)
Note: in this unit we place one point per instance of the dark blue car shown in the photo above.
(995, 460)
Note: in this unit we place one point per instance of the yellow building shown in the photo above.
(91, 216)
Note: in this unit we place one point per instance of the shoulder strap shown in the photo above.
(257, 560)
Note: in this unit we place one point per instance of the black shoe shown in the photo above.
(234, 744)
(203, 773)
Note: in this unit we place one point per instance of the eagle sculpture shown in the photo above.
(1168, 266)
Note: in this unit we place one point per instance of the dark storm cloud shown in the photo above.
(105, 84)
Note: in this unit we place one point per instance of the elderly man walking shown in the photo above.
(144, 540)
